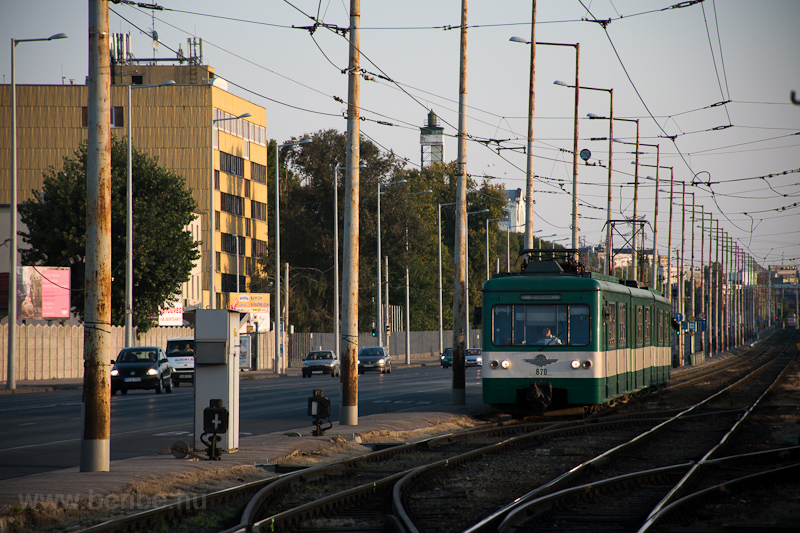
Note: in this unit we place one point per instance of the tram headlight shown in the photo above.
(505, 363)
(576, 364)
(587, 364)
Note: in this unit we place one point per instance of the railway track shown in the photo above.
(450, 483)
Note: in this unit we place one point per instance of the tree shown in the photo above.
(163, 250)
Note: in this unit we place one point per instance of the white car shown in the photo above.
(180, 352)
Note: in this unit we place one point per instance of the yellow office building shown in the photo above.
(175, 124)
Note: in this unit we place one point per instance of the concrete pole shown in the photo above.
(348, 414)
(379, 321)
(692, 309)
(285, 339)
(702, 276)
(129, 231)
(609, 236)
(681, 287)
(337, 339)
(575, 218)
(717, 289)
(96, 438)
(669, 238)
(386, 315)
(458, 395)
(531, 106)
(635, 257)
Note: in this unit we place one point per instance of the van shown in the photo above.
(180, 352)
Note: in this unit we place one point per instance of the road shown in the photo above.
(42, 430)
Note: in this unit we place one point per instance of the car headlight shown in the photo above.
(115, 372)
(381, 361)
(152, 372)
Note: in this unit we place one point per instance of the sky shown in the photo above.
(711, 84)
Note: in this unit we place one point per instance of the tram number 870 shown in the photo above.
(541, 371)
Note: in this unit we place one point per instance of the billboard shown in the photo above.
(43, 293)
(257, 304)
(171, 314)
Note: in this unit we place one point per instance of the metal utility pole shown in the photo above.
(96, 438)
(531, 101)
(459, 396)
(348, 415)
(717, 291)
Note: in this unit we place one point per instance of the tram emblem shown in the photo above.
(540, 360)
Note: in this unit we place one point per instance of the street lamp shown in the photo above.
(12, 276)
(336, 255)
(466, 271)
(379, 317)
(408, 302)
(610, 166)
(502, 219)
(129, 230)
(635, 189)
(528, 230)
(212, 228)
(441, 346)
(278, 332)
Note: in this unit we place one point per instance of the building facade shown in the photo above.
(174, 123)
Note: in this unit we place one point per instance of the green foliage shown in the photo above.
(163, 252)
(307, 227)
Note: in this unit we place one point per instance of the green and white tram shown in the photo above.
(557, 335)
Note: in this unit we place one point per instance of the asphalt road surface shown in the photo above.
(42, 431)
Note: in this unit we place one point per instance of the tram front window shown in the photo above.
(525, 324)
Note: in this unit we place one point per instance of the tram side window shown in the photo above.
(578, 325)
(501, 325)
(611, 327)
(647, 326)
(638, 325)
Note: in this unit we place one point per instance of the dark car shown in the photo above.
(447, 358)
(374, 358)
(321, 362)
(142, 367)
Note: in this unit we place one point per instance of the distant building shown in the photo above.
(514, 210)
(173, 123)
(431, 141)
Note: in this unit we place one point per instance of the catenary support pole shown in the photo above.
(96, 438)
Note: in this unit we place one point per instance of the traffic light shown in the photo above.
(677, 327)
(374, 332)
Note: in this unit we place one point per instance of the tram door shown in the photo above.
(612, 358)
(623, 350)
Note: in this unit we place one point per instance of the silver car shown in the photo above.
(473, 357)
(321, 362)
(374, 358)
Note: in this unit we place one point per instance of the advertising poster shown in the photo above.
(171, 314)
(43, 293)
(257, 304)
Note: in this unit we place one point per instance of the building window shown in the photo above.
(258, 210)
(136, 80)
(216, 179)
(231, 164)
(258, 173)
(259, 248)
(247, 227)
(229, 283)
(216, 220)
(247, 189)
(216, 263)
(117, 117)
(231, 204)
(229, 245)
